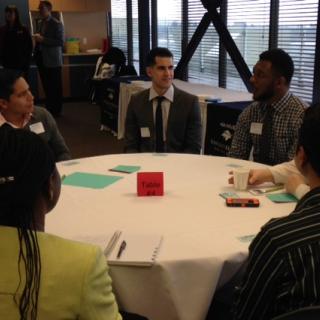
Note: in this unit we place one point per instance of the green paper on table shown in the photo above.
(247, 238)
(282, 197)
(234, 165)
(89, 180)
(126, 169)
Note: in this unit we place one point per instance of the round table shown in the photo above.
(202, 245)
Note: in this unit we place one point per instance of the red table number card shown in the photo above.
(150, 184)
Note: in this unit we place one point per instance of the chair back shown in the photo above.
(307, 313)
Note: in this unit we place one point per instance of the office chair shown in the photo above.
(306, 313)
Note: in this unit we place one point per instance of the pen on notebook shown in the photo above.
(274, 188)
(121, 248)
(112, 243)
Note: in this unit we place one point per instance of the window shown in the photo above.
(204, 65)
(248, 24)
(297, 36)
(170, 26)
(119, 25)
(135, 34)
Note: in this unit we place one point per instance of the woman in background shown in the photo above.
(15, 43)
(43, 276)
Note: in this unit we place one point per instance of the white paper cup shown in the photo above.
(240, 178)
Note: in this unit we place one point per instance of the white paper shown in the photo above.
(140, 250)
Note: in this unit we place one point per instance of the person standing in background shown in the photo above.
(15, 43)
(48, 57)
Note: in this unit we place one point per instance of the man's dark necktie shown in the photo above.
(159, 126)
(266, 137)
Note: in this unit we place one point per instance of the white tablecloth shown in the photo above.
(200, 90)
(200, 234)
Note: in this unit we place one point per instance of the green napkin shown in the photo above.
(282, 197)
(89, 180)
(126, 169)
(247, 238)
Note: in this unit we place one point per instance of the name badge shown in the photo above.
(37, 128)
(145, 132)
(256, 128)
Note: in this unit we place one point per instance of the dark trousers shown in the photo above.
(222, 304)
(131, 316)
(51, 79)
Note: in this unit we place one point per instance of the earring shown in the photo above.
(51, 195)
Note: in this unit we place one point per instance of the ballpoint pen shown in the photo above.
(112, 243)
(121, 248)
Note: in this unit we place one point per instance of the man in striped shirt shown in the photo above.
(283, 271)
(269, 125)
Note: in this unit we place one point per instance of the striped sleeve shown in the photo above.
(257, 290)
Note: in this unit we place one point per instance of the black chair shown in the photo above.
(307, 313)
(131, 316)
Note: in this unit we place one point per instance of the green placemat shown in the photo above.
(89, 180)
(282, 197)
(125, 169)
(247, 238)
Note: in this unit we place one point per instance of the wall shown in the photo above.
(90, 27)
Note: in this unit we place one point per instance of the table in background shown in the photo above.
(200, 234)
(200, 90)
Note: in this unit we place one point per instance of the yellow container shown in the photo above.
(72, 46)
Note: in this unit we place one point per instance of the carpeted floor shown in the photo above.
(80, 126)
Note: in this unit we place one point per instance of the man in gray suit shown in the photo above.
(48, 56)
(163, 118)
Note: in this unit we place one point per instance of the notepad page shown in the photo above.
(141, 250)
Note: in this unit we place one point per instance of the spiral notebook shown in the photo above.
(140, 250)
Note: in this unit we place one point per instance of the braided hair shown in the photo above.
(26, 164)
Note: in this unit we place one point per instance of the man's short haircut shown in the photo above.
(7, 80)
(309, 136)
(157, 52)
(281, 62)
(47, 4)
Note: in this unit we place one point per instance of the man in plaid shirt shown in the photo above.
(270, 125)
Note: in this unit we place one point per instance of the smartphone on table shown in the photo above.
(242, 202)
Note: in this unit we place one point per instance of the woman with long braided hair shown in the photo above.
(43, 276)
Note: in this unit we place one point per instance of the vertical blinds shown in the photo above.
(119, 25)
(204, 65)
(170, 26)
(248, 23)
(297, 36)
(135, 33)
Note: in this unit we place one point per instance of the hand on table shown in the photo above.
(256, 176)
